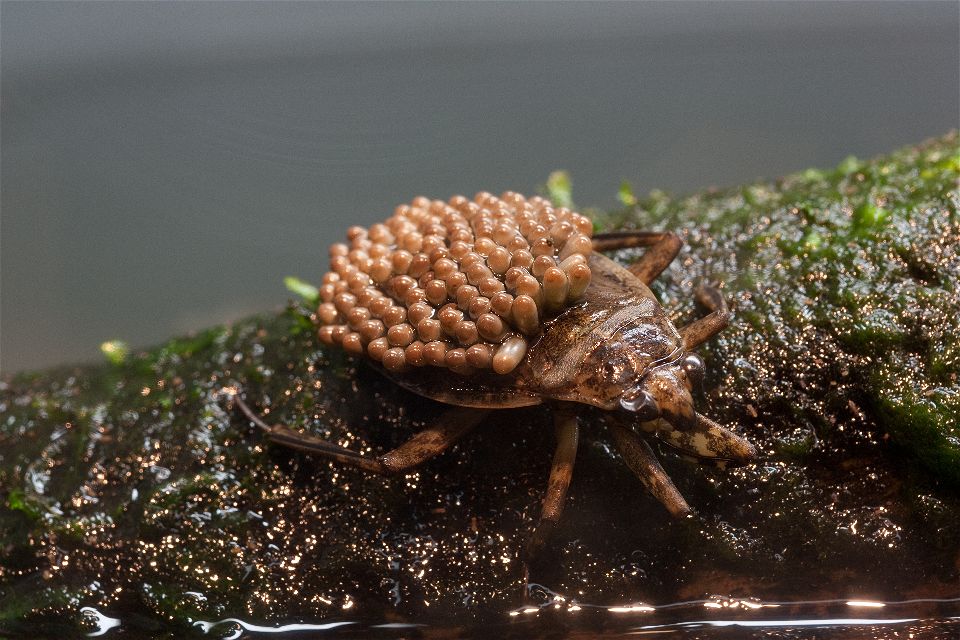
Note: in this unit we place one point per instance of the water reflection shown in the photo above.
(242, 626)
(102, 622)
(676, 617)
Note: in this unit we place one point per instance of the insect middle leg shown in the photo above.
(701, 330)
(561, 471)
(426, 444)
(663, 248)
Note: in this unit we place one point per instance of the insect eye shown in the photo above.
(640, 403)
(693, 366)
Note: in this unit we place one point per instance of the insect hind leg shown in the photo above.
(426, 444)
(663, 248)
(561, 472)
(702, 329)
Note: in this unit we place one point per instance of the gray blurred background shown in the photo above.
(165, 165)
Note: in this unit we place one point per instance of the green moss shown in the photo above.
(560, 189)
(927, 423)
(18, 501)
(625, 194)
(191, 345)
(863, 264)
(116, 351)
(869, 216)
(305, 290)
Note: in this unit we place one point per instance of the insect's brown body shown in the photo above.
(611, 346)
(585, 355)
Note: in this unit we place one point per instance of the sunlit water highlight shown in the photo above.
(739, 612)
(255, 628)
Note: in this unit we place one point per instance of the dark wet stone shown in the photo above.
(135, 489)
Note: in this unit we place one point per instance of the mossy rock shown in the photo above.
(846, 289)
(135, 489)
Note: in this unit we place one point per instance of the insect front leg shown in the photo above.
(426, 444)
(699, 331)
(640, 458)
(561, 471)
(708, 441)
(663, 248)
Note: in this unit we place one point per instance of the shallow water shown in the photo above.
(714, 618)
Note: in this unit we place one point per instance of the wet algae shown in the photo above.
(133, 491)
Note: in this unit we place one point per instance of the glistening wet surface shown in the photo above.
(138, 503)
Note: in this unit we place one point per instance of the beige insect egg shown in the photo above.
(379, 305)
(579, 276)
(376, 348)
(414, 354)
(419, 265)
(419, 311)
(490, 286)
(484, 246)
(499, 260)
(371, 330)
(454, 282)
(394, 315)
(480, 356)
(528, 285)
(501, 303)
(401, 334)
(401, 261)
(357, 281)
(413, 296)
(339, 331)
(465, 296)
(521, 258)
(560, 232)
(456, 358)
(490, 327)
(434, 353)
(357, 316)
(394, 359)
(578, 243)
(541, 264)
(380, 270)
(325, 333)
(518, 243)
(524, 314)
(509, 355)
(466, 332)
(458, 249)
(327, 291)
(555, 287)
(429, 329)
(478, 306)
(457, 284)
(436, 291)
(344, 302)
(399, 285)
(327, 313)
(541, 247)
(352, 343)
